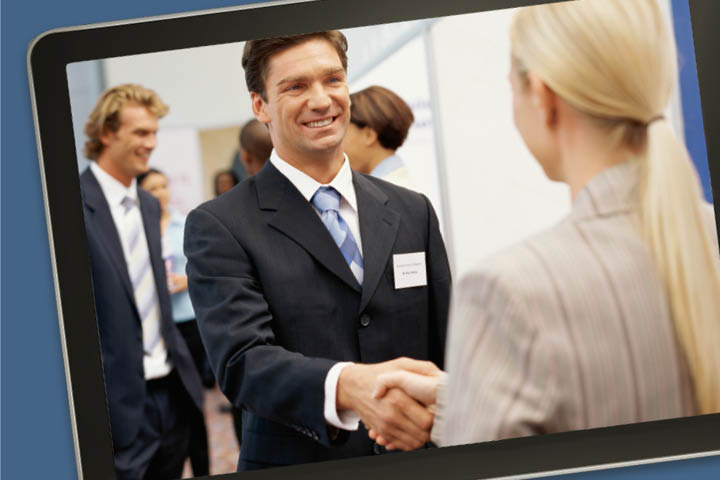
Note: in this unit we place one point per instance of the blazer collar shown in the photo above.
(99, 214)
(99, 211)
(379, 226)
(295, 217)
(610, 192)
(307, 185)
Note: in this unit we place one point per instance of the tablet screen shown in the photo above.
(462, 150)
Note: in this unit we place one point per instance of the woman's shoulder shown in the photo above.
(536, 252)
(532, 271)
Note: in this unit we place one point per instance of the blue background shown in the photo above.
(36, 438)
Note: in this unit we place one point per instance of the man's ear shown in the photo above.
(107, 136)
(544, 98)
(258, 107)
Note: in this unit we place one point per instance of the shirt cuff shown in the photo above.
(344, 419)
(437, 434)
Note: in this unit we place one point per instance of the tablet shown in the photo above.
(448, 60)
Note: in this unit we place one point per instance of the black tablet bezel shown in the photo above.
(48, 57)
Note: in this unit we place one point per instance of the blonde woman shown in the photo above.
(613, 315)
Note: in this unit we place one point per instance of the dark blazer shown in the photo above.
(277, 306)
(117, 315)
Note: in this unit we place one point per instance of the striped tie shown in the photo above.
(141, 276)
(327, 200)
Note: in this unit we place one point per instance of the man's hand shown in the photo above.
(396, 417)
(421, 387)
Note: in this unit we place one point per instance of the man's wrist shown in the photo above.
(345, 387)
(335, 417)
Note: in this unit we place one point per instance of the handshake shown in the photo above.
(395, 400)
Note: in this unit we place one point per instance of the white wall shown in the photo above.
(497, 193)
(205, 86)
(405, 73)
(178, 156)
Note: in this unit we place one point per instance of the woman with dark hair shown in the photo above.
(379, 124)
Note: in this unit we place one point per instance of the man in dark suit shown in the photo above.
(151, 382)
(310, 280)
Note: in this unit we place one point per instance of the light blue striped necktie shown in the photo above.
(327, 200)
(141, 276)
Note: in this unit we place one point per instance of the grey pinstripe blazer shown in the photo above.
(567, 330)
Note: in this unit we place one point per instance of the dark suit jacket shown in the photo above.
(117, 315)
(277, 305)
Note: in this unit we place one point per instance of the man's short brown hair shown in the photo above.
(106, 113)
(257, 54)
(383, 111)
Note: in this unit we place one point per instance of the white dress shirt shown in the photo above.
(346, 419)
(156, 364)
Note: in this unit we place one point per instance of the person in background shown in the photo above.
(172, 226)
(379, 124)
(152, 385)
(224, 181)
(612, 316)
(255, 146)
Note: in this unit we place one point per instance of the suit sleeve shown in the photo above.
(439, 280)
(236, 325)
(501, 380)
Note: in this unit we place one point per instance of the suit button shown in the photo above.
(376, 449)
(365, 320)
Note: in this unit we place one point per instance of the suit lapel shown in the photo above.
(296, 218)
(101, 218)
(379, 227)
(153, 238)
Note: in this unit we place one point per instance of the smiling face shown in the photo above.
(308, 103)
(126, 151)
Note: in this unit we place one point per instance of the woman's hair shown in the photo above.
(106, 113)
(141, 178)
(615, 61)
(383, 111)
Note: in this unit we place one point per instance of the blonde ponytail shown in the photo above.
(676, 233)
(615, 61)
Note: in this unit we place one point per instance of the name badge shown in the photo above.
(409, 269)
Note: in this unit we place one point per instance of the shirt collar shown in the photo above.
(113, 190)
(308, 186)
(612, 191)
